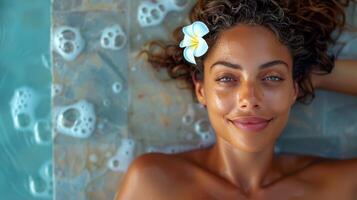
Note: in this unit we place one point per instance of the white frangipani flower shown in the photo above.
(194, 44)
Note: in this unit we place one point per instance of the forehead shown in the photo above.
(248, 45)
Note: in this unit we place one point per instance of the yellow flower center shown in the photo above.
(194, 41)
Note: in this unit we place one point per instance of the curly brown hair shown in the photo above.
(305, 27)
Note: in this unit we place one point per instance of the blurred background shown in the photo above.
(77, 104)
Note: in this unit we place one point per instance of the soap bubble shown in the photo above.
(42, 132)
(41, 185)
(77, 120)
(68, 42)
(204, 130)
(189, 116)
(202, 126)
(151, 13)
(113, 38)
(124, 156)
(22, 105)
(117, 87)
(46, 171)
(38, 187)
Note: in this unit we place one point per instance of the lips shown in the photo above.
(251, 124)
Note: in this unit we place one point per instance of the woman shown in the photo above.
(261, 57)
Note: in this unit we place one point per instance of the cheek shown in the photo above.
(221, 102)
(278, 101)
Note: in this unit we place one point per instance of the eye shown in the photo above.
(225, 79)
(273, 78)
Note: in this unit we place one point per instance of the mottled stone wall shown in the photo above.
(90, 95)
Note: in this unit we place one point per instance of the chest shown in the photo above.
(299, 190)
(284, 190)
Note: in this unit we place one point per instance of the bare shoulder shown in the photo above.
(150, 175)
(344, 169)
(334, 173)
(339, 168)
(321, 166)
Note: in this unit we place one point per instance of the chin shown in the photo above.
(255, 142)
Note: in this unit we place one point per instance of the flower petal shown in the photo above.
(201, 48)
(188, 30)
(187, 41)
(188, 54)
(199, 28)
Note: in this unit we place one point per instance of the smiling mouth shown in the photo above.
(252, 126)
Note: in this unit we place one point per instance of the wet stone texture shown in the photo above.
(109, 105)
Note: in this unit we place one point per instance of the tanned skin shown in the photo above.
(241, 165)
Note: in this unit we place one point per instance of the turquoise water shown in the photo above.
(25, 169)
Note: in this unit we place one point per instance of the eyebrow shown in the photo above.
(262, 66)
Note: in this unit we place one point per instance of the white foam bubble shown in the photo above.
(204, 130)
(117, 87)
(151, 13)
(68, 42)
(189, 116)
(45, 171)
(207, 139)
(38, 188)
(124, 156)
(22, 105)
(202, 126)
(113, 37)
(76, 120)
(41, 185)
(42, 132)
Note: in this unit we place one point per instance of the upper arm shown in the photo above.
(129, 182)
(140, 181)
(351, 174)
(341, 79)
(346, 171)
(350, 170)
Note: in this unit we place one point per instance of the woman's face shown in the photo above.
(248, 73)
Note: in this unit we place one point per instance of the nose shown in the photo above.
(248, 97)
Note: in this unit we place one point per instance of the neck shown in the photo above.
(249, 171)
